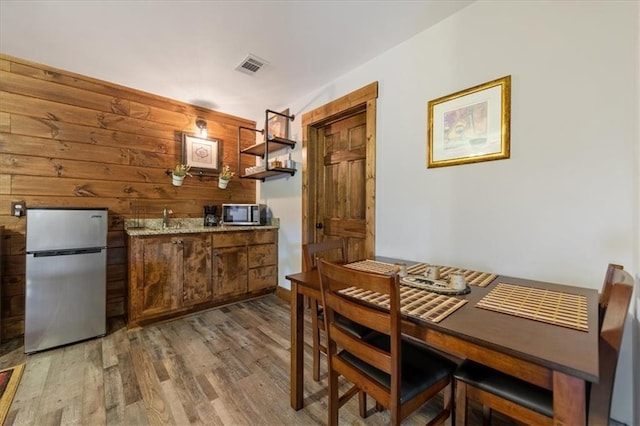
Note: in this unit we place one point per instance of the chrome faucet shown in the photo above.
(165, 217)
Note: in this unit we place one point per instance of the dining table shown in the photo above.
(561, 358)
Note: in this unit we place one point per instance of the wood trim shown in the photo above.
(363, 99)
(283, 294)
(340, 105)
(370, 184)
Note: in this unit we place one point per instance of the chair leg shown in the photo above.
(334, 404)
(362, 402)
(447, 402)
(486, 415)
(395, 416)
(461, 403)
(315, 330)
(445, 416)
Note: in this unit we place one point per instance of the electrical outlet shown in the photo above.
(17, 208)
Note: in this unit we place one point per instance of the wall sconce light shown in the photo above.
(202, 125)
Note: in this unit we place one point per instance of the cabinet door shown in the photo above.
(160, 267)
(196, 269)
(263, 271)
(229, 271)
(263, 255)
(264, 277)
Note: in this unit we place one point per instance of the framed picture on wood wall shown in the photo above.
(202, 154)
(471, 125)
(278, 125)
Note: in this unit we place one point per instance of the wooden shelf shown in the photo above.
(270, 146)
(268, 173)
(265, 148)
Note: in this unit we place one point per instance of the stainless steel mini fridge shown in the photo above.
(65, 276)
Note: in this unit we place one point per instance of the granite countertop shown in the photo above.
(186, 226)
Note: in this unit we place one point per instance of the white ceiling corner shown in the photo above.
(188, 50)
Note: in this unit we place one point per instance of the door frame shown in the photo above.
(360, 100)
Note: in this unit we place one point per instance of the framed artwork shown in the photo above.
(470, 126)
(278, 125)
(202, 154)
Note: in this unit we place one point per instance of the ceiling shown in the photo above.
(188, 50)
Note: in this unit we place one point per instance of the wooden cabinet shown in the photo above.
(245, 261)
(168, 274)
(171, 275)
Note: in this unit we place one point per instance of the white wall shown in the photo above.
(563, 206)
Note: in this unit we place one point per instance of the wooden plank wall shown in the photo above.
(71, 140)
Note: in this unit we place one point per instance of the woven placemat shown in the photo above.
(414, 302)
(552, 307)
(372, 266)
(480, 279)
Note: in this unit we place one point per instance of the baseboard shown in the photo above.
(283, 293)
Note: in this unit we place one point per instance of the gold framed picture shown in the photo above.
(471, 125)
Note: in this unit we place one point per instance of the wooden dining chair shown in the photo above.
(335, 251)
(400, 375)
(534, 405)
(609, 278)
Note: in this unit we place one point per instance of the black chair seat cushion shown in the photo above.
(421, 368)
(354, 328)
(505, 386)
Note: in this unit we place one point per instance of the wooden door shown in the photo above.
(338, 172)
(340, 184)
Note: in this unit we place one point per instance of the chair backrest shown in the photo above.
(609, 349)
(332, 250)
(609, 279)
(334, 278)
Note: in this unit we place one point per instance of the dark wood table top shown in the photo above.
(558, 348)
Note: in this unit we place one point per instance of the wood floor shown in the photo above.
(225, 366)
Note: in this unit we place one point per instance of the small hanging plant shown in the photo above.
(226, 173)
(182, 170)
(178, 174)
(225, 176)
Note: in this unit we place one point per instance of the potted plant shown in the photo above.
(225, 176)
(178, 174)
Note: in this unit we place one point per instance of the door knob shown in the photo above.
(319, 225)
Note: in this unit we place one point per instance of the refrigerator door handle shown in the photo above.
(66, 252)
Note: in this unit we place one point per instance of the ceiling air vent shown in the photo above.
(251, 64)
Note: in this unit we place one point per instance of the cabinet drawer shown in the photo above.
(231, 239)
(241, 238)
(263, 255)
(260, 278)
(265, 236)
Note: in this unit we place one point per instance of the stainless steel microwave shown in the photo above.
(244, 214)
